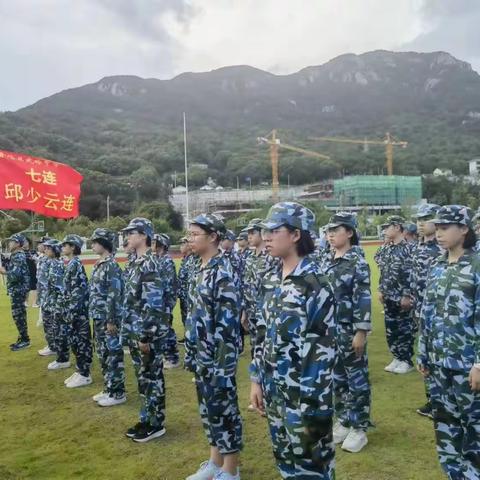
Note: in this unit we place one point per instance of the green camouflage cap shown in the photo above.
(346, 219)
(411, 228)
(393, 220)
(73, 239)
(17, 237)
(454, 214)
(242, 236)
(253, 224)
(210, 221)
(106, 235)
(141, 225)
(289, 213)
(426, 210)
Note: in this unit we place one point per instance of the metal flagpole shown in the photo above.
(186, 164)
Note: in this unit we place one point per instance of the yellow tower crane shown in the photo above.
(388, 141)
(274, 143)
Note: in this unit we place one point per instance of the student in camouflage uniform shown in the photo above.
(42, 268)
(213, 330)
(349, 275)
(256, 266)
(74, 330)
(395, 295)
(243, 250)
(145, 327)
(51, 297)
(424, 253)
(183, 279)
(18, 286)
(105, 309)
(169, 274)
(227, 246)
(410, 233)
(449, 344)
(292, 370)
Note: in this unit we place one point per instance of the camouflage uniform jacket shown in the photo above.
(395, 271)
(145, 316)
(350, 279)
(295, 341)
(170, 286)
(42, 280)
(75, 288)
(18, 275)
(213, 324)
(451, 314)
(423, 255)
(52, 298)
(106, 292)
(185, 273)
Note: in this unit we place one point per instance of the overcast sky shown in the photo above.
(51, 45)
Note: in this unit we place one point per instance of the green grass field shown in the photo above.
(50, 432)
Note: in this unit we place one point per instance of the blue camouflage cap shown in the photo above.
(427, 210)
(454, 214)
(141, 225)
(106, 235)
(242, 236)
(289, 213)
(17, 237)
(253, 224)
(73, 239)
(229, 235)
(345, 219)
(211, 222)
(54, 244)
(393, 220)
(162, 239)
(410, 228)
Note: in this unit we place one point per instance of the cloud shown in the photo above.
(49, 45)
(284, 36)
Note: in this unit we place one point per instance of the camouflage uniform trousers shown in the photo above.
(456, 414)
(51, 322)
(75, 333)
(110, 354)
(220, 415)
(400, 329)
(170, 348)
(300, 455)
(19, 312)
(150, 380)
(351, 382)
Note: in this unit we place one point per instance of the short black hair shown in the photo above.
(77, 250)
(149, 242)
(470, 239)
(305, 245)
(209, 231)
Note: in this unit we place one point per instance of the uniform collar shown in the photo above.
(465, 259)
(103, 260)
(304, 267)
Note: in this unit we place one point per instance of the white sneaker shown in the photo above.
(207, 471)
(108, 401)
(45, 352)
(79, 381)
(58, 365)
(340, 432)
(403, 367)
(99, 396)
(226, 476)
(193, 380)
(251, 408)
(355, 441)
(168, 365)
(392, 365)
(71, 377)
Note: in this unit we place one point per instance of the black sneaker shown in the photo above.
(20, 345)
(131, 432)
(425, 411)
(19, 339)
(148, 433)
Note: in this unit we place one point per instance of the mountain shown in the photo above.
(126, 131)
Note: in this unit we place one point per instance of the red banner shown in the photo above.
(29, 183)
